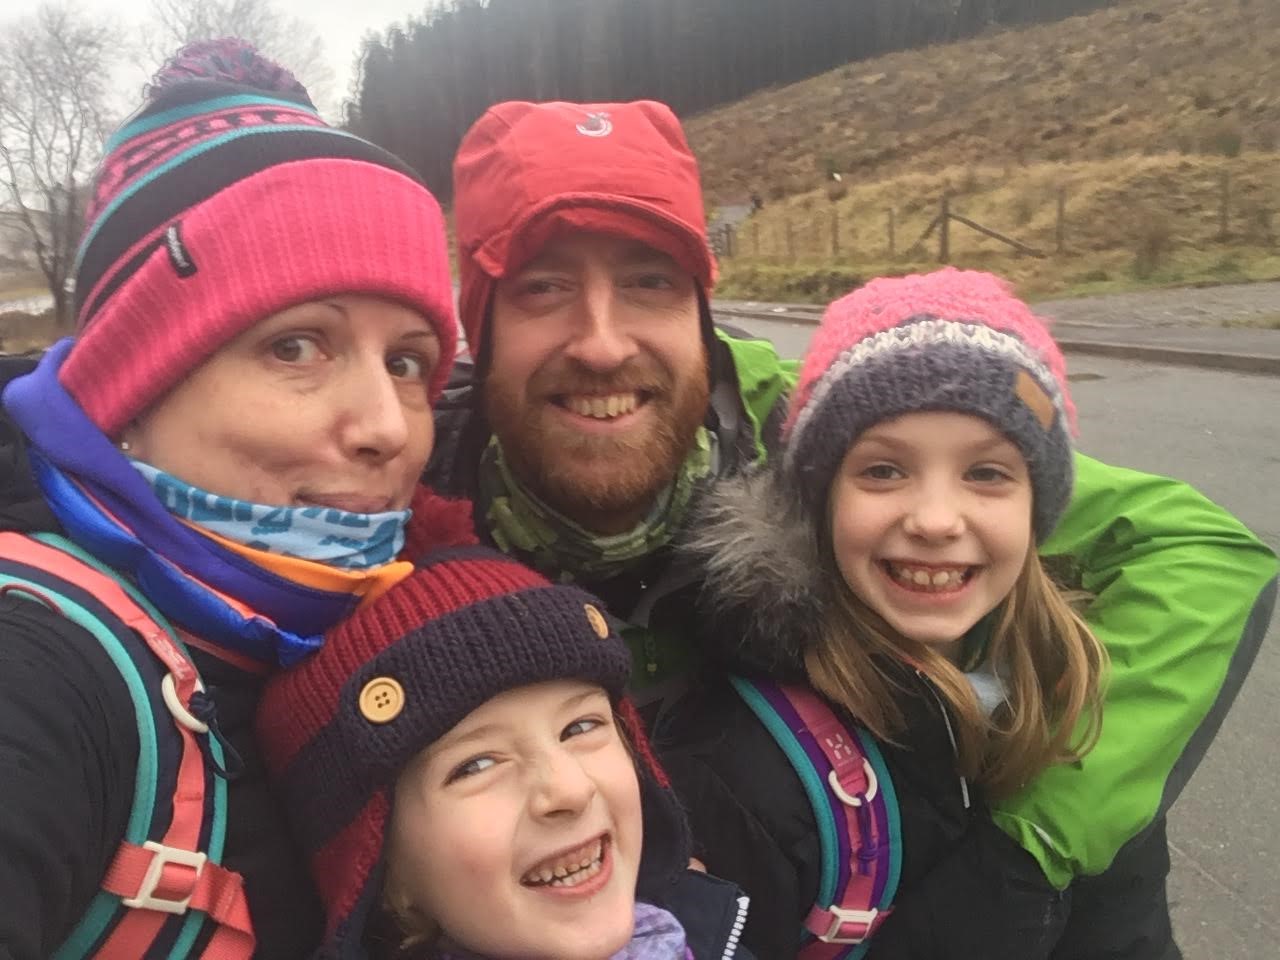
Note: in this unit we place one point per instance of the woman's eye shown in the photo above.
(295, 349)
(882, 471)
(581, 726)
(470, 768)
(407, 366)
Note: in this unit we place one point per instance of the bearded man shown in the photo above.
(602, 401)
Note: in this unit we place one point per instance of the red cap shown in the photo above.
(526, 172)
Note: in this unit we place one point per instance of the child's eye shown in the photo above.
(470, 768)
(987, 474)
(882, 471)
(581, 726)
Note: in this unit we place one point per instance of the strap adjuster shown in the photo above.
(145, 898)
(840, 916)
(873, 786)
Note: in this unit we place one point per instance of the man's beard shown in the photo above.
(603, 483)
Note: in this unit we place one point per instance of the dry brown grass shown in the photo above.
(1154, 76)
(23, 332)
(1136, 112)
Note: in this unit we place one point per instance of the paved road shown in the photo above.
(1220, 432)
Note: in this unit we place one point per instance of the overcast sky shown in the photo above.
(341, 25)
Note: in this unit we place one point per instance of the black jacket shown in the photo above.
(752, 822)
(68, 754)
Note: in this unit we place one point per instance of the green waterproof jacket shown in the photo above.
(1183, 595)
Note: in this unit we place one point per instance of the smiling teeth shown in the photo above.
(929, 580)
(568, 871)
(603, 408)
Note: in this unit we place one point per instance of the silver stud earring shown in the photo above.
(124, 445)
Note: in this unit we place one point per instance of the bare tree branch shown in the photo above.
(53, 71)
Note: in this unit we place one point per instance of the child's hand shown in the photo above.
(696, 864)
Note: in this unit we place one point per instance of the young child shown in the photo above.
(890, 564)
(467, 781)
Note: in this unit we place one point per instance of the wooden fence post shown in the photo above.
(1062, 219)
(893, 233)
(791, 241)
(835, 233)
(944, 230)
(755, 238)
(1224, 219)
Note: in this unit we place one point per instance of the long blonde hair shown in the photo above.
(1048, 659)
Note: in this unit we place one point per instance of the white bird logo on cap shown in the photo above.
(596, 125)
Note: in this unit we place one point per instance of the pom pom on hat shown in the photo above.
(228, 60)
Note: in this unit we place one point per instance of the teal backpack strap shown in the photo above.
(854, 805)
(165, 894)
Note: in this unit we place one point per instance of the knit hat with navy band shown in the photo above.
(225, 199)
(951, 340)
(469, 624)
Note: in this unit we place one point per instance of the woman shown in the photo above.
(227, 453)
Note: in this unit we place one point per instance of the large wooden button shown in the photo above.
(381, 700)
(597, 621)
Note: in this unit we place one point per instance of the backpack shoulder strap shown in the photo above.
(165, 893)
(849, 788)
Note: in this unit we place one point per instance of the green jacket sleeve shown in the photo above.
(765, 381)
(1182, 596)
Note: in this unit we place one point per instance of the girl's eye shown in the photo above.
(295, 349)
(882, 471)
(407, 366)
(581, 726)
(470, 768)
(987, 474)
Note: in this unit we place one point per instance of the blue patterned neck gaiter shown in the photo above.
(349, 541)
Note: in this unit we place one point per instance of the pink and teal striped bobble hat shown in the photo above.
(953, 340)
(224, 199)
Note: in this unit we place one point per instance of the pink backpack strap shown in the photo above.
(163, 869)
(855, 807)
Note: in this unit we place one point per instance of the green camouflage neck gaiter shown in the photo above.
(525, 527)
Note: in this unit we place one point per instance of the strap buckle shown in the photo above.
(146, 899)
(841, 916)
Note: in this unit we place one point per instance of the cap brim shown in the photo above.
(603, 213)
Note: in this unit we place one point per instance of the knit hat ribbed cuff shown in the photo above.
(935, 365)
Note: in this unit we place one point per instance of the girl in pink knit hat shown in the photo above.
(882, 606)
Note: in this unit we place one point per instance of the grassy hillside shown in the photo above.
(1135, 112)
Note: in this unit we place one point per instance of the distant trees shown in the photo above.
(54, 67)
(422, 85)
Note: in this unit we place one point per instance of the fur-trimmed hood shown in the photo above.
(765, 587)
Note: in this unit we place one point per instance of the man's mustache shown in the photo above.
(632, 377)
